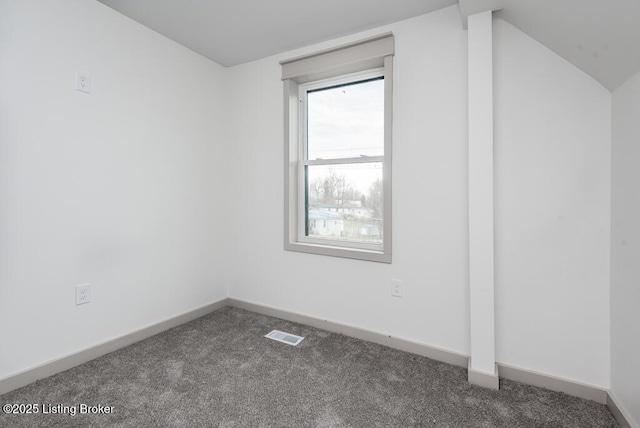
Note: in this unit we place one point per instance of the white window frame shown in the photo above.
(350, 63)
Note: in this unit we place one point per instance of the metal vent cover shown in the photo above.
(288, 338)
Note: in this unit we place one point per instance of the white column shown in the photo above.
(482, 368)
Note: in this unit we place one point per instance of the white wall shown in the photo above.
(552, 178)
(625, 249)
(552, 215)
(429, 198)
(118, 188)
(157, 186)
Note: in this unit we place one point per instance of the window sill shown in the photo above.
(349, 253)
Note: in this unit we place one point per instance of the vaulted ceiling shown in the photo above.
(600, 37)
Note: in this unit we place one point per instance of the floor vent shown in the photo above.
(289, 339)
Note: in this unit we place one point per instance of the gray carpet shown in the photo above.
(219, 370)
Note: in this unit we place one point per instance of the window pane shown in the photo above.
(346, 121)
(344, 202)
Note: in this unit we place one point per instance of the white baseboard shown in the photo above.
(619, 412)
(485, 380)
(69, 361)
(570, 387)
(576, 389)
(401, 344)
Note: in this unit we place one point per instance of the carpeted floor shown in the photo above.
(219, 370)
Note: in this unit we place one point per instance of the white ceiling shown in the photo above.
(232, 32)
(601, 37)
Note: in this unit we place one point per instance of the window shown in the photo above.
(338, 151)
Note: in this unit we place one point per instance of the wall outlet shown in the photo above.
(396, 287)
(83, 294)
(83, 82)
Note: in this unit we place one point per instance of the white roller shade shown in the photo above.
(362, 55)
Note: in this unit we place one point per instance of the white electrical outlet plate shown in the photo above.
(83, 294)
(83, 82)
(396, 287)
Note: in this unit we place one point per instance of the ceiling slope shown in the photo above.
(232, 32)
(601, 37)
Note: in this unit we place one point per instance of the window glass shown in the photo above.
(344, 202)
(346, 121)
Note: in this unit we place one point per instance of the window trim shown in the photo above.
(365, 63)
